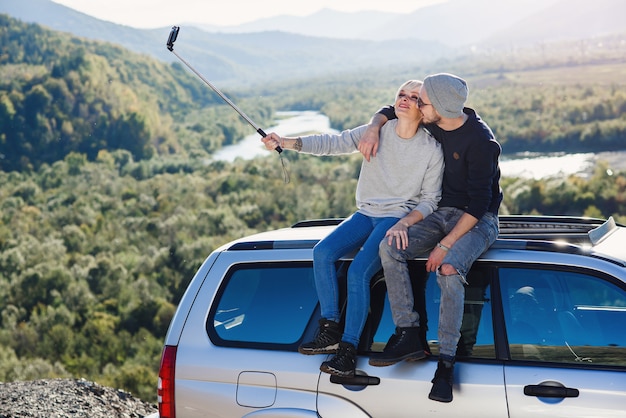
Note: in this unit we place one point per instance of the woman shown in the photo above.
(401, 184)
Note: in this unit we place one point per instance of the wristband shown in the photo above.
(443, 247)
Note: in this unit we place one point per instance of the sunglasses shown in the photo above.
(421, 103)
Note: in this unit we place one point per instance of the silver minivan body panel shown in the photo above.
(403, 391)
(239, 381)
(602, 393)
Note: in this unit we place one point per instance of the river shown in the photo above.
(526, 165)
(288, 124)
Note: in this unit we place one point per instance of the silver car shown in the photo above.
(543, 334)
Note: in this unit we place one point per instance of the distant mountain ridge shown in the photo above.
(241, 58)
(331, 42)
(454, 23)
(325, 23)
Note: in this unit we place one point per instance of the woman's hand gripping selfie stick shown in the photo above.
(170, 45)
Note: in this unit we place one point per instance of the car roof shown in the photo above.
(296, 236)
(602, 238)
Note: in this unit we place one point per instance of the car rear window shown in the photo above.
(263, 303)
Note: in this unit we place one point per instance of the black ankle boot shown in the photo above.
(442, 382)
(344, 362)
(405, 344)
(326, 340)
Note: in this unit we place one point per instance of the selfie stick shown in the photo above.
(170, 45)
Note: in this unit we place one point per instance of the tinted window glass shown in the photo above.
(477, 328)
(269, 303)
(477, 338)
(563, 316)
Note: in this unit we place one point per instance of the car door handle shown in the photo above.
(356, 380)
(550, 391)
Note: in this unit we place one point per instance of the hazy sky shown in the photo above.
(159, 13)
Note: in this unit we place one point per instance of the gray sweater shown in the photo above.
(405, 175)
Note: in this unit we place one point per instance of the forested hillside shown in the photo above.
(108, 203)
(94, 256)
(60, 94)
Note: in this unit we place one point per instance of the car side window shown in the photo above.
(563, 316)
(263, 304)
(477, 338)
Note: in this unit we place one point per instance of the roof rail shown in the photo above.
(550, 222)
(571, 229)
(317, 222)
(548, 228)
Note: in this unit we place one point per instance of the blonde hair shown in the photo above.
(409, 85)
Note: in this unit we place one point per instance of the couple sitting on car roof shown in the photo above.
(409, 203)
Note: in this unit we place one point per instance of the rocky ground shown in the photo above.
(68, 398)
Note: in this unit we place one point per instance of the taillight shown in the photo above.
(165, 389)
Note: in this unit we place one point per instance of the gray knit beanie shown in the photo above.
(447, 94)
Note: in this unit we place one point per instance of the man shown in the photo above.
(456, 234)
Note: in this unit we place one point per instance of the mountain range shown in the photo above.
(454, 23)
(332, 42)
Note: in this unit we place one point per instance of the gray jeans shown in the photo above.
(423, 237)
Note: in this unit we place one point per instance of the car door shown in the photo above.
(401, 390)
(566, 342)
(237, 354)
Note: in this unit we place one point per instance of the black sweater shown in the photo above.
(471, 179)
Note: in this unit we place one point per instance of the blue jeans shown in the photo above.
(357, 232)
(423, 237)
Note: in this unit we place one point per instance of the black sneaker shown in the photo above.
(442, 382)
(326, 340)
(405, 344)
(344, 362)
